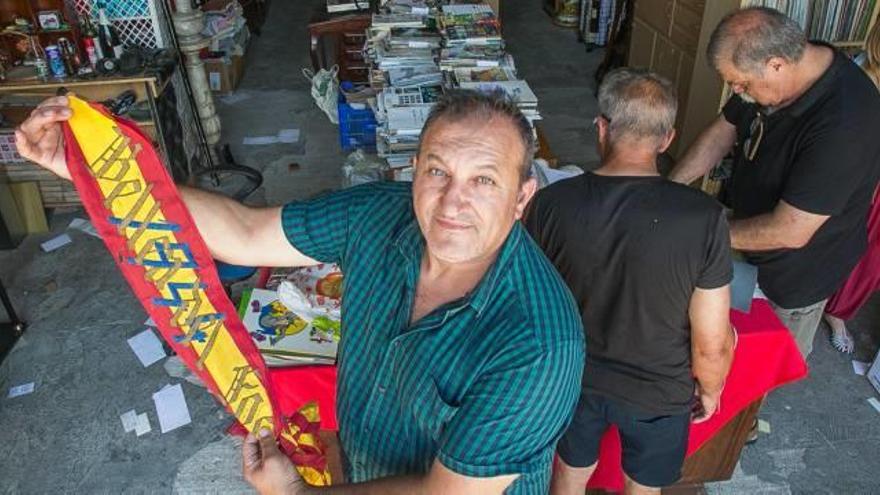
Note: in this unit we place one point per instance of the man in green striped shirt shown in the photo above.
(462, 349)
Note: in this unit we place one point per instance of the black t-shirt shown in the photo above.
(632, 250)
(821, 154)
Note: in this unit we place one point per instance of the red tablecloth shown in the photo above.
(766, 357)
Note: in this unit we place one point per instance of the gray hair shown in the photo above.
(637, 103)
(462, 104)
(751, 36)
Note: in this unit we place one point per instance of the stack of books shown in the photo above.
(517, 90)
(388, 21)
(470, 24)
(482, 74)
(403, 56)
(284, 337)
(420, 7)
(417, 49)
(335, 6)
(471, 37)
(401, 114)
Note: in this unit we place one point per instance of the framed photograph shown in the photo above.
(50, 19)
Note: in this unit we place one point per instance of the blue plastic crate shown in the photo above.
(357, 127)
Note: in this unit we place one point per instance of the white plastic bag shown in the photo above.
(325, 90)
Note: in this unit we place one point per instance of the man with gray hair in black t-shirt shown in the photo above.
(648, 262)
(802, 126)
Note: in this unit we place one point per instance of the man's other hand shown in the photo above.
(267, 469)
(39, 138)
(706, 405)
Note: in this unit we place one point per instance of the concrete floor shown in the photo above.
(67, 437)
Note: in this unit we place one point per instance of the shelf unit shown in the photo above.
(17, 99)
(28, 9)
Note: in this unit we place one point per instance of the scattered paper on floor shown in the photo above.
(284, 136)
(860, 367)
(171, 408)
(84, 225)
(147, 347)
(20, 390)
(129, 420)
(56, 242)
(142, 424)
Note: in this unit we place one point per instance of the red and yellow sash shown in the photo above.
(135, 207)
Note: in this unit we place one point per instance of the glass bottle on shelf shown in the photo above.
(69, 56)
(90, 40)
(37, 57)
(109, 38)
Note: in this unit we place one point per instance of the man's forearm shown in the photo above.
(758, 233)
(711, 365)
(709, 148)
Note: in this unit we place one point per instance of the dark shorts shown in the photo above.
(653, 446)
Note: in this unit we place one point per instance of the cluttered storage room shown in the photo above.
(446, 247)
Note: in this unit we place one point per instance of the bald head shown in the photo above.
(748, 38)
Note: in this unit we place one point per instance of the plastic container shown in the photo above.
(357, 125)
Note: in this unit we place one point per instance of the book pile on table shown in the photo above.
(419, 48)
(471, 37)
(402, 52)
(335, 6)
(401, 113)
(474, 53)
(517, 90)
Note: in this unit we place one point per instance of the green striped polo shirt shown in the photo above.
(486, 384)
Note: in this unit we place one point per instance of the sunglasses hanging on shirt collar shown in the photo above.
(756, 133)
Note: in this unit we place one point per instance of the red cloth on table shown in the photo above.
(765, 358)
(298, 385)
(865, 277)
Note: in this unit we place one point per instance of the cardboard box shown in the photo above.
(224, 74)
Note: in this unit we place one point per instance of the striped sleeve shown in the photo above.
(513, 416)
(321, 228)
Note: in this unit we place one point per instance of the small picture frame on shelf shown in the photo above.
(50, 19)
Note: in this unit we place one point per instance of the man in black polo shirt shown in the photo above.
(648, 262)
(803, 128)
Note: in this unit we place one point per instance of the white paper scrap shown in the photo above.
(171, 408)
(129, 420)
(84, 225)
(147, 347)
(142, 424)
(874, 403)
(20, 390)
(150, 323)
(860, 367)
(234, 98)
(283, 136)
(258, 140)
(288, 135)
(56, 242)
(763, 426)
